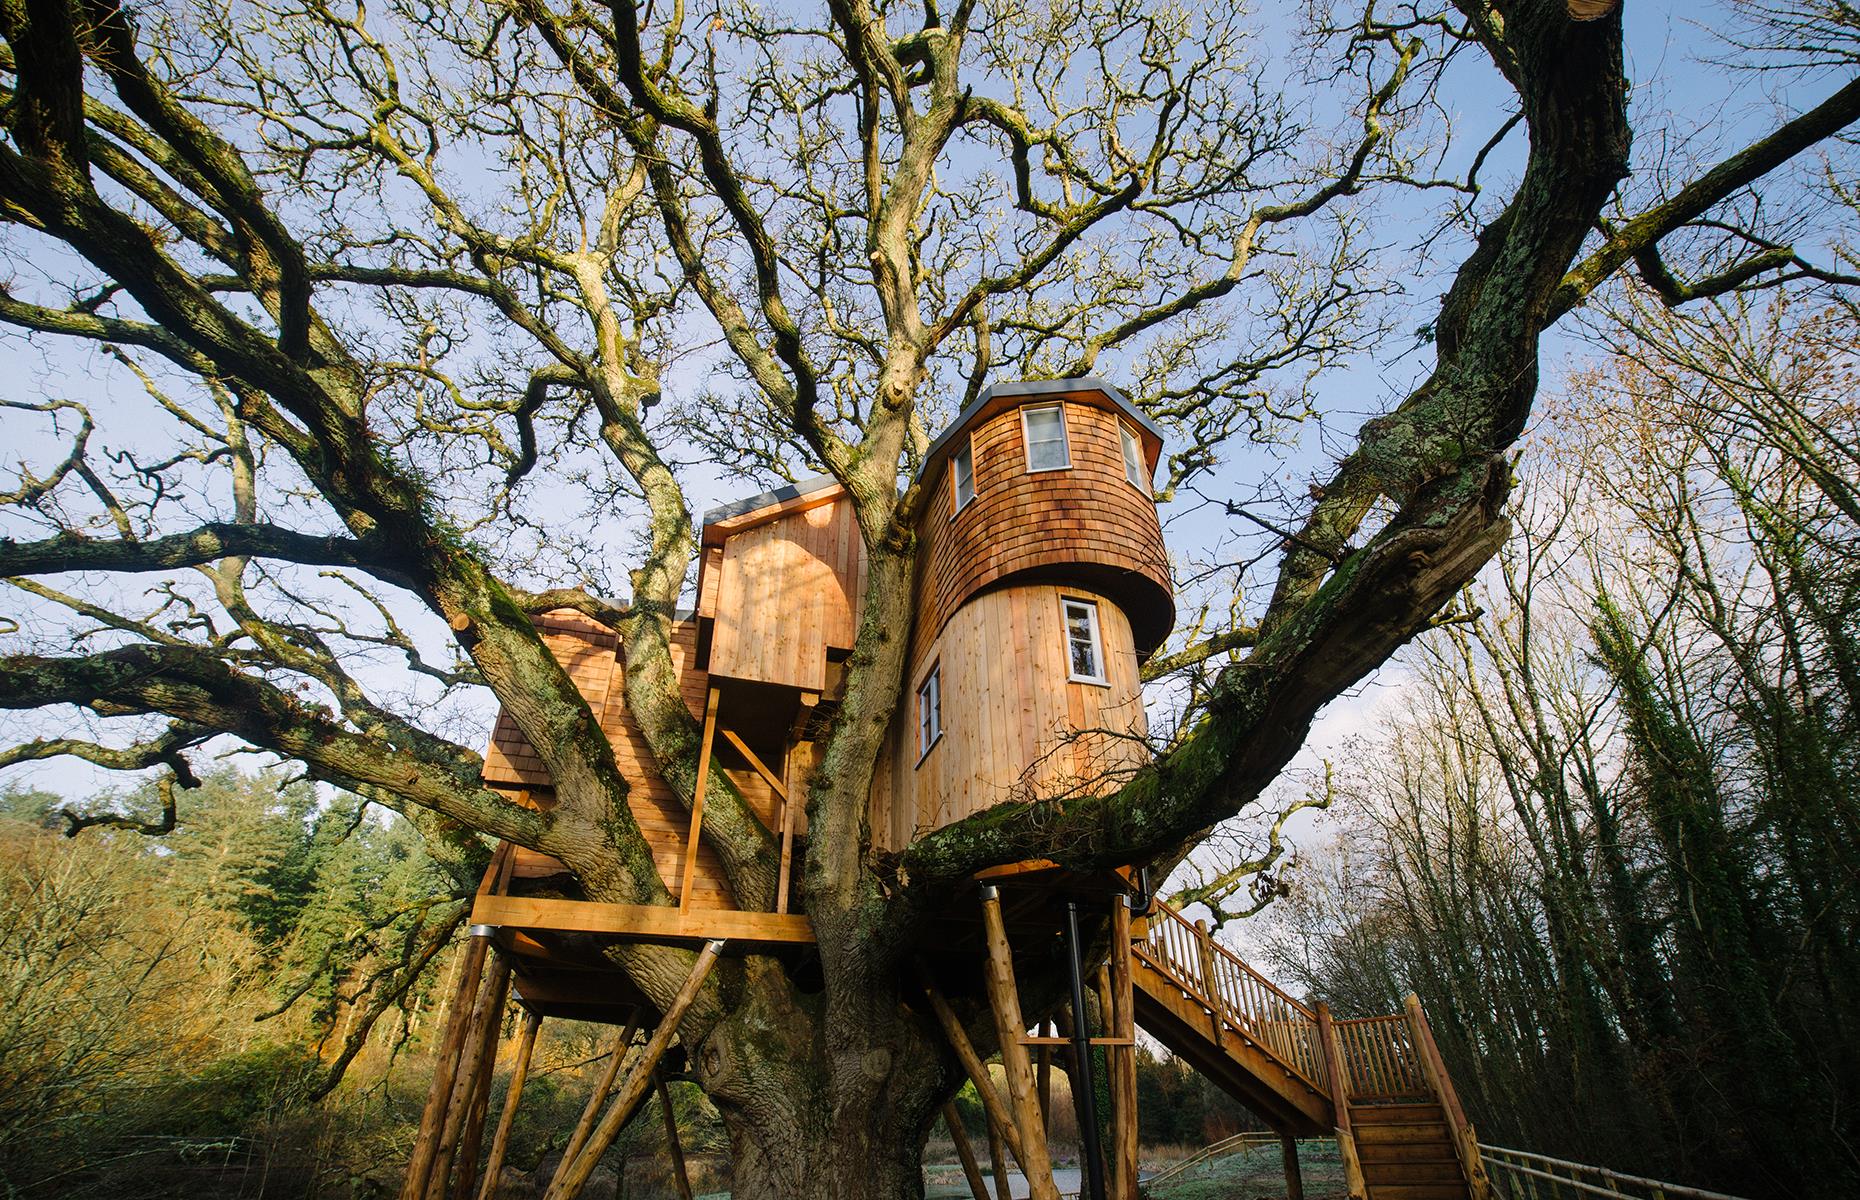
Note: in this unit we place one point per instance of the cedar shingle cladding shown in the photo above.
(1087, 525)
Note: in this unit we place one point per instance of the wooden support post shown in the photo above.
(1336, 1075)
(999, 1115)
(471, 1140)
(1434, 1070)
(782, 885)
(472, 1077)
(597, 1099)
(680, 1175)
(970, 1168)
(445, 1068)
(1294, 1179)
(1124, 1058)
(697, 799)
(1043, 1081)
(574, 1174)
(1004, 997)
(998, 1161)
(519, 1073)
(784, 821)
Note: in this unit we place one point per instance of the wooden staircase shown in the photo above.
(1407, 1153)
(1377, 1083)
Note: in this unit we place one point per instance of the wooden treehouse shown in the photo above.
(1042, 585)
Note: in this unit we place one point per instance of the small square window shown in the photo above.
(929, 711)
(1045, 430)
(962, 477)
(1084, 650)
(1133, 457)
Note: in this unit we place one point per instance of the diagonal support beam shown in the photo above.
(574, 1174)
(999, 1117)
(500, 1141)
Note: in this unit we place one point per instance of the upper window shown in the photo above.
(1133, 457)
(930, 710)
(962, 476)
(1045, 430)
(1084, 650)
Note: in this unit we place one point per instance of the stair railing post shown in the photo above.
(1434, 1070)
(1336, 1073)
(1210, 989)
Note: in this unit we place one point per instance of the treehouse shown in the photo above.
(1042, 584)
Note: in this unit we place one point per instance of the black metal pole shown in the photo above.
(1084, 1089)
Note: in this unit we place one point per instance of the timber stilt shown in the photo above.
(1004, 998)
(445, 1068)
(519, 1073)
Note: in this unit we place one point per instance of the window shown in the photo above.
(929, 711)
(1133, 457)
(1045, 430)
(962, 477)
(1084, 652)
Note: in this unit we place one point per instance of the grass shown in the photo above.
(1258, 1174)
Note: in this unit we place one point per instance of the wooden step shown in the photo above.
(1398, 1152)
(1431, 1171)
(1405, 1134)
(1418, 1191)
(1395, 1114)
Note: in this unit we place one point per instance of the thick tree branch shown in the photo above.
(1719, 183)
(73, 552)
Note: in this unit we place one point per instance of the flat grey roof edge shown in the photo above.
(792, 491)
(1032, 389)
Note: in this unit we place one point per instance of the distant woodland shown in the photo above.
(189, 1014)
(1612, 834)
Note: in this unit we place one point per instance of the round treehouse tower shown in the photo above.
(1042, 585)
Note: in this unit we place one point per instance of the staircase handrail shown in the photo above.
(1235, 959)
(1212, 1150)
(1611, 1180)
(1465, 1140)
(1294, 1049)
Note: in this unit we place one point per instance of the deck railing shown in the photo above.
(1520, 1175)
(1241, 997)
(1380, 1059)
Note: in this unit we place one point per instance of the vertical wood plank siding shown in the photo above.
(1014, 726)
(787, 591)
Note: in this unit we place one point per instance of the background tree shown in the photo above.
(1612, 842)
(386, 280)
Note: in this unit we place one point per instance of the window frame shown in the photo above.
(1135, 469)
(1026, 436)
(957, 503)
(930, 714)
(1066, 604)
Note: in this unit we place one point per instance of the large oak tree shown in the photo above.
(426, 303)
